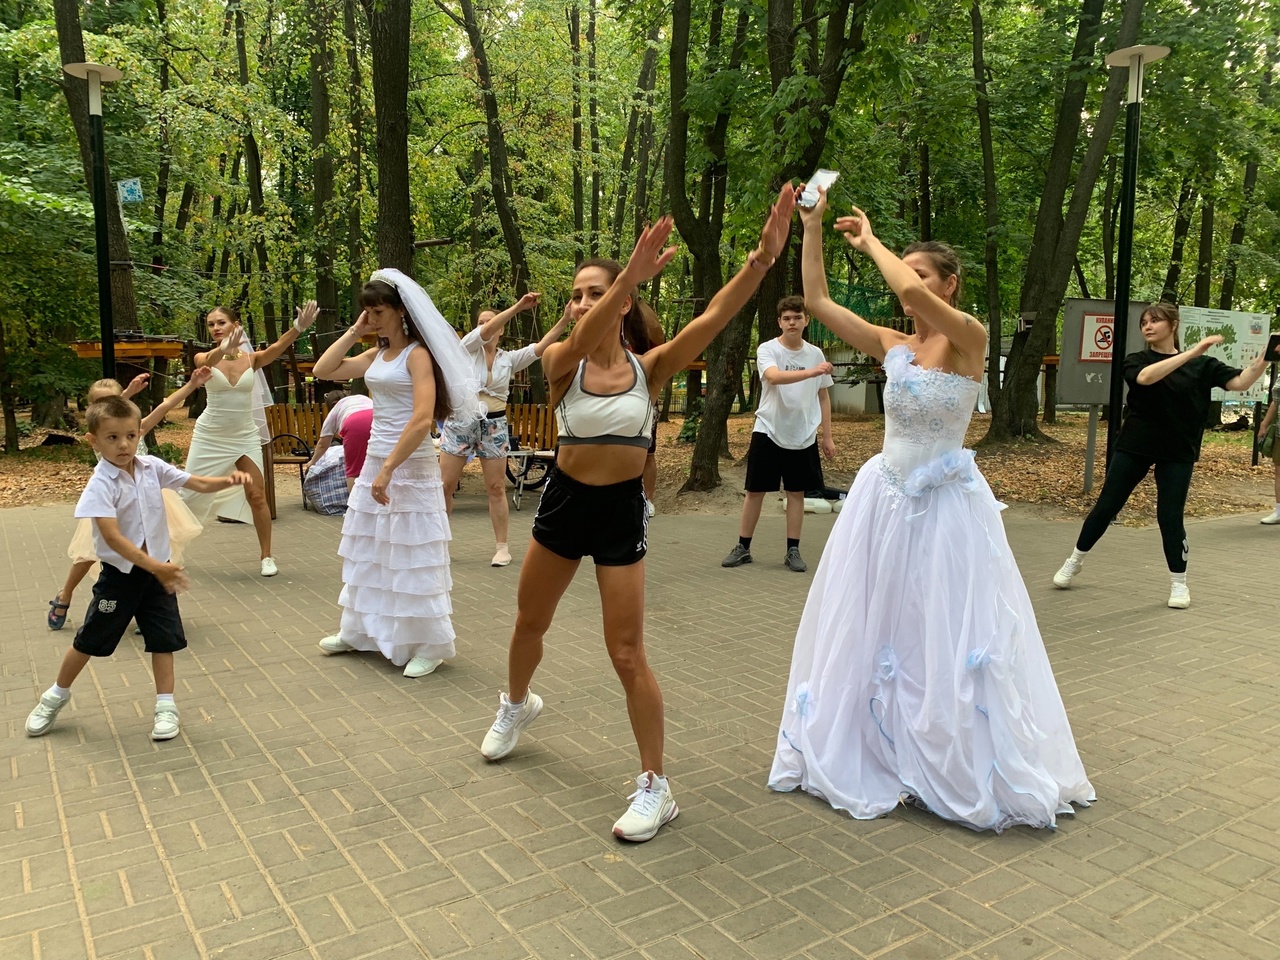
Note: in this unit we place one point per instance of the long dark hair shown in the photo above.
(379, 293)
(635, 328)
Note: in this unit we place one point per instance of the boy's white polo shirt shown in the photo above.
(134, 502)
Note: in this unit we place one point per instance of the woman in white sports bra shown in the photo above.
(228, 436)
(593, 503)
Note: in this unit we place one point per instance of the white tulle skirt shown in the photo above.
(183, 528)
(395, 565)
(919, 673)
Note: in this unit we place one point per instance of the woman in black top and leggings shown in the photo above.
(1169, 393)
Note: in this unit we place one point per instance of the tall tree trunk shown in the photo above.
(1228, 292)
(124, 304)
(162, 175)
(1181, 226)
(499, 166)
(991, 246)
(635, 128)
(322, 170)
(593, 127)
(926, 200)
(1204, 255)
(390, 26)
(1057, 238)
(1110, 207)
(579, 195)
(355, 154)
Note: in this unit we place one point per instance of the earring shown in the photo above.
(404, 324)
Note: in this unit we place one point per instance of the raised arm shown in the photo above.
(335, 365)
(647, 260)
(494, 326)
(667, 359)
(843, 322)
(198, 379)
(554, 334)
(305, 317)
(967, 336)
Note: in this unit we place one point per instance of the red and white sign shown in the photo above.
(1097, 333)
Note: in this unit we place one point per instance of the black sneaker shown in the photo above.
(794, 561)
(737, 556)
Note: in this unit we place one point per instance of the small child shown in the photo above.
(137, 580)
(183, 526)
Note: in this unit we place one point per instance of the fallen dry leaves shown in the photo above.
(1050, 476)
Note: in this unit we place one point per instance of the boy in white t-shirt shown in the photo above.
(138, 580)
(794, 403)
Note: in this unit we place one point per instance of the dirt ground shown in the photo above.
(1047, 477)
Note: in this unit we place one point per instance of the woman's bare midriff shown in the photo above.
(601, 464)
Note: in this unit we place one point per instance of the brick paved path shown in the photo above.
(321, 807)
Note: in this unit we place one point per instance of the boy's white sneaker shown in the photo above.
(46, 711)
(1179, 596)
(652, 805)
(1066, 573)
(511, 720)
(166, 721)
(335, 644)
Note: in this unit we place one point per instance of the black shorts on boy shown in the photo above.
(770, 466)
(121, 597)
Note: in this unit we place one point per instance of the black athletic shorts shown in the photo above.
(609, 524)
(770, 466)
(121, 597)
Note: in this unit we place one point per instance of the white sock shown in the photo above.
(1078, 555)
(1278, 506)
(62, 693)
(1179, 578)
(164, 698)
(517, 703)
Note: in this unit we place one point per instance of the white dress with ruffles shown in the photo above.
(918, 672)
(395, 556)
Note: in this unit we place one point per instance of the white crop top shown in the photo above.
(624, 418)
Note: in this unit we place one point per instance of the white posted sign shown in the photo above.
(1244, 336)
(1097, 333)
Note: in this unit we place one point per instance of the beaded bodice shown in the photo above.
(926, 412)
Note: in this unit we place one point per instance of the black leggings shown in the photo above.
(1124, 473)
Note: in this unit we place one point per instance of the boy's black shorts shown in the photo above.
(576, 520)
(121, 597)
(769, 465)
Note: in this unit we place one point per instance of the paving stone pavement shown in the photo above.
(327, 808)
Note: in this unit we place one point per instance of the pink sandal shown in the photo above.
(58, 620)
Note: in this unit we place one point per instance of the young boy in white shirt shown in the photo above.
(131, 538)
(794, 403)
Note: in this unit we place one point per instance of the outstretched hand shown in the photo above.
(773, 238)
(856, 229)
(239, 478)
(528, 302)
(136, 385)
(200, 376)
(306, 316)
(1204, 345)
(234, 342)
(814, 214)
(649, 256)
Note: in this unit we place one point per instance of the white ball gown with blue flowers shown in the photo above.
(918, 670)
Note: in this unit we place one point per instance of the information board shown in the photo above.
(1244, 336)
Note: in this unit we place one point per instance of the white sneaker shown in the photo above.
(46, 711)
(420, 666)
(501, 559)
(1271, 518)
(335, 644)
(166, 725)
(650, 507)
(651, 806)
(1179, 596)
(1067, 572)
(269, 568)
(512, 719)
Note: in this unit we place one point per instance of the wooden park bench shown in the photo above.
(531, 428)
(295, 429)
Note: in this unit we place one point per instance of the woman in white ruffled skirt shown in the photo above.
(919, 674)
(395, 537)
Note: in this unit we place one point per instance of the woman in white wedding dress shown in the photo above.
(919, 673)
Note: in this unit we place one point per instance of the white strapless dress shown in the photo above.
(918, 672)
(224, 433)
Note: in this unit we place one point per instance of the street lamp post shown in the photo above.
(97, 74)
(1135, 58)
